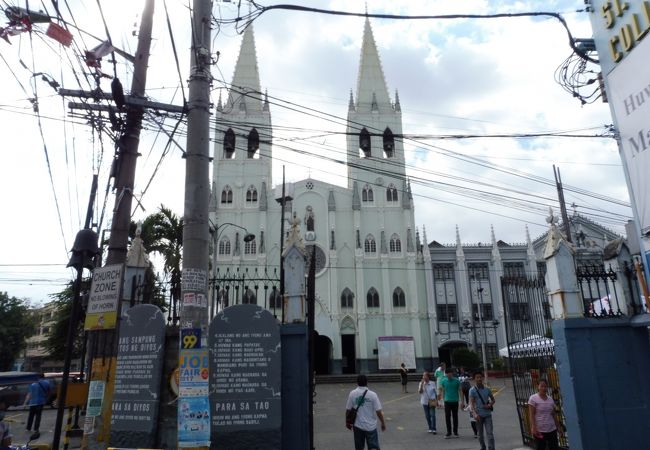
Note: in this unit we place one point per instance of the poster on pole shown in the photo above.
(629, 95)
(104, 298)
(95, 398)
(395, 350)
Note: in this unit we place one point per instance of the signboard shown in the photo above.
(95, 398)
(104, 298)
(245, 379)
(629, 96)
(193, 373)
(194, 422)
(137, 377)
(395, 350)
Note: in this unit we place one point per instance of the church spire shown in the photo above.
(351, 102)
(371, 83)
(246, 92)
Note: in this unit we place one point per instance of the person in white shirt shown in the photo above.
(428, 400)
(368, 410)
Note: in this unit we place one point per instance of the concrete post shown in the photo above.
(615, 255)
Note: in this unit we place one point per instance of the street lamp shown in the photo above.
(83, 253)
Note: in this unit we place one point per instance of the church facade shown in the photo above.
(370, 281)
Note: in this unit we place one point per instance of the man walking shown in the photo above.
(451, 393)
(482, 404)
(361, 413)
(39, 392)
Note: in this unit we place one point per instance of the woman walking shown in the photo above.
(427, 390)
(543, 420)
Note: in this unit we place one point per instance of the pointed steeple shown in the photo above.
(351, 102)
(398, 107)
(496, 254)
(460, 254)
(492, 236)
(371, 82)
(266, 100)
(425, 247)
(246, 92)
(356, 201)
(219, 104)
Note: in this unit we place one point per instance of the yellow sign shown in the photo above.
(101, 321)
(76, 395)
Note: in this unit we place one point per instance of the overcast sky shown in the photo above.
(454, 77)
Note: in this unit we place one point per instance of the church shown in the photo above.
(370, 285)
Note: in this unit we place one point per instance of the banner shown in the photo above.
(395, 350)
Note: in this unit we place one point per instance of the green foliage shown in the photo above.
(57, 339)
(498, 364)
(17, 324)
(464, 357)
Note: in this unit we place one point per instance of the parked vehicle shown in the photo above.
(14, 387)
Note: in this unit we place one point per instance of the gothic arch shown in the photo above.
(391, 193)
(251, 194)
(364, 143)
(226, 195)
(395, 244)
(399, 298)
(253, 143)
(370, 245)
(229, 144)
(389, 143)
(347, 298)
(348, 326)
(366, 194)
(372, 298)
(224, 246)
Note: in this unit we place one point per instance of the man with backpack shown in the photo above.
(361, 413)
(39, 392)
(482, 405)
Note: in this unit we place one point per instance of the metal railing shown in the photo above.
(600, 296)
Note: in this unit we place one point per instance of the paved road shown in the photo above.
(406, 426)
(406, 430)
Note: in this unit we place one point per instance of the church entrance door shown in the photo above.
(348, 353)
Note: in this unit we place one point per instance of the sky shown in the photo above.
(462, 77)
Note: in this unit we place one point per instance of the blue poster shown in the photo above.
(193, 422)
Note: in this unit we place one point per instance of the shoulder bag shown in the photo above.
(351, 414)
(433, 402)
(485, 404)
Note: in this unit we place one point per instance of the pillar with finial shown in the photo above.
(295, 269)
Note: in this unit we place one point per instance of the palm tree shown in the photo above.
(162, 233)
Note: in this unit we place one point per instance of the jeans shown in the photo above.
(430, 416)
(34, 416)
(363, 436)
(548, 441)
(451, 412)
(485, 428)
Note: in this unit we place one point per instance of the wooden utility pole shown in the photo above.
(560, 197)
(196, 230)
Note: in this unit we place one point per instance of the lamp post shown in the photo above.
(83, 253)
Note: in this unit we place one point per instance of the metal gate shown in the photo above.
(531, 354)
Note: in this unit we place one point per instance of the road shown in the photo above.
(406, 426)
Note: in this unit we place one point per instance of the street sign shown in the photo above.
(104, 298)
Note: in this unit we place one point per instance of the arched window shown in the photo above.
(275, 299)
(370, 245)
(366, 194)
(226, 195)
(249, 297)
(389, 143)
(251, 194)
(250, 248)
(253, 143)
(399, 298)
(372, 299)
(229, 144)
(364, 143)
(395, 244)
(391, 193)
(224, 246)
(347, 298)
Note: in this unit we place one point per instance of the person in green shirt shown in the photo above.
(451, 393)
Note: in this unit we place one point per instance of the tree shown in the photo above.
(16, 326)
(56, 340)
(162, 233)
(464, 357)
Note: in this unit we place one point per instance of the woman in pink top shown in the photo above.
(543, 421)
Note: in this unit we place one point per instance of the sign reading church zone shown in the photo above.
(104, 298)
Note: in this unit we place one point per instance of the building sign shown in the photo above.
(137, 377)
(619, 26)
(104, 298)
(245, 379)
(395, 350)
(629, 96)
(95, 398)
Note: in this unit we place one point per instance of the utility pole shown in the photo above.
(196, 230)
(560, 197)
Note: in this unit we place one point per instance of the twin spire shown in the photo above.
(245, 93)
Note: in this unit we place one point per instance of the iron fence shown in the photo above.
(530, 349)
(598, 287)
(253, 286)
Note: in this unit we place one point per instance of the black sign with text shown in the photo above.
(245, 379)
(137, 377)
